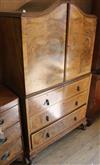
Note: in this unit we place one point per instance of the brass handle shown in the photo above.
(76, 103)
(47, 118)
(5, 155)
(78, 88)
(2, 141)
(75, 118)
(1, 122)
(47, 135)
(47, 102)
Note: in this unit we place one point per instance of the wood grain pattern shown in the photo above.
(57, 111)
(12, 134)
(81, 38)
(10, 127)
(9, 117)
(43, 49)
(13, 74)
(71, 150)
(37, 104)
(46, 134)
(34, 46)
(13, 151)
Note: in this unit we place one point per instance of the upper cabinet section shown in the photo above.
(81, 37)
(48, 41)
(43, 38)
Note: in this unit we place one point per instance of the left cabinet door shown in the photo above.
(44, 49)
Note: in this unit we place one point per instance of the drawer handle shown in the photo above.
(75, 118)
(2, 141)
(78, 88)
(76, 103)
(5, 155)
(47, 118)
(47, 102)
(1, 122)
(47, 135)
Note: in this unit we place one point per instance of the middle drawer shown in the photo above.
(56, 112)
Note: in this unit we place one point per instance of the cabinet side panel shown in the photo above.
(11, 52)
(96, 58)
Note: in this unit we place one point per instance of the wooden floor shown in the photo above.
(77, 148)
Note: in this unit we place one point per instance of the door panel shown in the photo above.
(81, 37)
(44, 49)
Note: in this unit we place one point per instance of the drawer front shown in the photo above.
(38, 103)
(57, 111)
(8, 118)
(10, 154)
(8, 137)
(47, 134)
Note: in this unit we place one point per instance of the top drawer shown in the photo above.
(40, 102)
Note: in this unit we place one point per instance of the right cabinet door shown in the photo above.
(81, 36)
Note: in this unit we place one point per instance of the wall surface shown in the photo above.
(10, 5)
(85, 5)
(0, 73)
(96, 59)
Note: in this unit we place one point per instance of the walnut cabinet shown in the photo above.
(47, 54)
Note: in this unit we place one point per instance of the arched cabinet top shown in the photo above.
(36, 8)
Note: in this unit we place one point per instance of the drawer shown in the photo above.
(8, 118)
(47, 134)
(57, 111)
(9, 136)
(10, 154)
(36, 104)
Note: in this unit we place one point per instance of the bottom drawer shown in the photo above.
(47, 134)
(10, 154)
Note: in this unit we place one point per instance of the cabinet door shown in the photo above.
(81, 37)
(44, 49)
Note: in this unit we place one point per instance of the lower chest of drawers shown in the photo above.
(10, 127)
(51, 115)
(57, 111)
